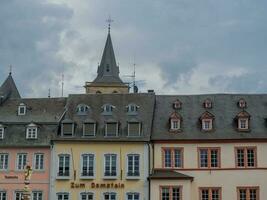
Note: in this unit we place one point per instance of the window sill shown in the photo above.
(110, 177)
(87, 177)
(132, 177)
(63, 177)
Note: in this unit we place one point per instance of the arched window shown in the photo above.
(132, 108)
(242, 103)
(177, 104)
(82, 109)
(207, 104)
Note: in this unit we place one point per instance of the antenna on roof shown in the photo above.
(62, 85)
(10, 69)
(49, 95)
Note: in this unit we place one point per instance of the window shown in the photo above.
(243, 123)
(177, 104)
(210, 194)
(21, 161)
(2, 131)
(209, 157)
(63, 196)
(107, 109)
(89, 129)
(37, 195)
(132, 109)
(134, 129)
(175, 124)
(3, 195)
(171, 193)
(67, 129)
(242, 103)
(207, 124)
(3, 161)
(31, 132)
(82, 109)
(133, 196)
(207, 104)
(110, 165)
(248, 193)
(110, 196)
(246, 157)
(111, 129)
(87, 196)
(22, 109)
(172, 157)
(39, 161)
(64, 165)
(133, 165)
(18, 195)
(87, 165)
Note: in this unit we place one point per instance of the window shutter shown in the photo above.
(133, 129)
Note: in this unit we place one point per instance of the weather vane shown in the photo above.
(109, 21)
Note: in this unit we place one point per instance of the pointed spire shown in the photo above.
(108, 71)
(9, 89)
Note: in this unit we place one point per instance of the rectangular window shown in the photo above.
(133, 165)
(3, 161)
(207, 124)
(22, 110)
(245, 157)
(175, 124)
(173, 157)
(37, 195)
(248, 193)
(87, 165)
(39, 161)
(2, 130)
(21, 161)
(67, 129)
(87, 196)
(31, 133)
(210, 194)
(171, 193)
(62, 196)
(3, 195)
(110, 165)
(89, 129)
(18, 195)
(111, 129)
(243, 123)
(110, 196)
(209, 157)
(64, 165)
(133, 196)
(134, 129)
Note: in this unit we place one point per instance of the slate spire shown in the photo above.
(9, 89)
(108, 71)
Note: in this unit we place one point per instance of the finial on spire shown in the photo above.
(10, 69)
(109, 21)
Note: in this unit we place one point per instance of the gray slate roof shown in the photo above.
(224, 109)
(9, 89)
(120, 101)
(44, 112)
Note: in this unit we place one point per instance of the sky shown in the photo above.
(178, 46)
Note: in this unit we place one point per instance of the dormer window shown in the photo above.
(89, 129)
(177, 104)
(67, 129)
(134, 129)
(175, 122)
(107, 109)
(242, 103)
(82, 109)
(22, 109)
(243, 121)
(31, 131)
(2, 131)
(207, 104)
(111, 129)
(132, 109)
(206, 120)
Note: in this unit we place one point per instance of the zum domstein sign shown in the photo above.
(94, 185)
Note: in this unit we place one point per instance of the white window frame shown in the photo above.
(173, 127)
(32, 131)
(20, 195)
(82, 109)
(81, 166)
(84, 129)
(17, 161)
(34, 161)
(22, 106)
(62, 130)
(107, 109)
(38, 192)
(132, 109)
(127, 164)
(106, 129)
(109, 193)
(128, 127)
(2, 133)
(1, 195)
(132, 193)
(63, 193)
(104, 166)
(4, 162)
(240, 123)
(64, 163)
(86, 193)
(210, 123)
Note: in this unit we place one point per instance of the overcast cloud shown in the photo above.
(179, 46)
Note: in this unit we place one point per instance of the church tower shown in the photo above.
(107, 80)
